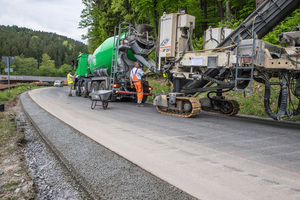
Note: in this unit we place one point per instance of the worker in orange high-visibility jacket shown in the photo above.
(136, 79)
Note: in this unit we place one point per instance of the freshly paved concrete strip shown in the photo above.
(195, 163)
(103, 173)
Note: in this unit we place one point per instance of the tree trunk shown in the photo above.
(155, 18)
(203, 6)
(205, 14)
(228, 12)
(221, 10)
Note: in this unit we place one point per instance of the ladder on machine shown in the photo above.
(114, 62)
(118, 33)
(238, 67)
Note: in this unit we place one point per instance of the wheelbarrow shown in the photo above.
(100, 95)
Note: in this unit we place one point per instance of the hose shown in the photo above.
(211, 38)
(294, 87)
(223, 91)
(186, 44)
(283, 98)
(190, 41)
(288, 56)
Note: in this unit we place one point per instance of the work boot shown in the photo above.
(70, 95)
(139, 105)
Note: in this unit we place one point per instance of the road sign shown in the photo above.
(10, 70)
(8, 60)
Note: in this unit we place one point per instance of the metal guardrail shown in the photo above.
(4, 78)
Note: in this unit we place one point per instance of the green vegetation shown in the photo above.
(12, 197)
(254, 104)
(6, 128)
(13, 183)
(7, 125)
(287, 25)
(33, 48)
(10, 139)
(15, 92)
(160, 86)
(100, 17)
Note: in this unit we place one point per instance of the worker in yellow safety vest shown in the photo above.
(70, 82)
(136, 79)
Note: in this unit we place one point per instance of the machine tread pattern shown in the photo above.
(235, 109)
(196, 108)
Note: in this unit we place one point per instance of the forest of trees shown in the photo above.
(100, 16)
(38, 53)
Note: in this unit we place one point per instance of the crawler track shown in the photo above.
(235, 108)
(196, 108)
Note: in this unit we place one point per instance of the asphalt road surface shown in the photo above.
(209, 156)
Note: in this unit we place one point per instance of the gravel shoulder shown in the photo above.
(99, 171)
(52, 181)
(28, 169)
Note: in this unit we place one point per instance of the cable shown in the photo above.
(288, 56)
(223, 91)
(186, 44)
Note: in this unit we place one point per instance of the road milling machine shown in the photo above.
(231, 60)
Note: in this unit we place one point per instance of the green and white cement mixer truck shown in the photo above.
(108, 68)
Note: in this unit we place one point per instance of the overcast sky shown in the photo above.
(57, 16)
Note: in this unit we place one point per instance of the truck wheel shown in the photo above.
(77, 92)
(102, 86)
(144, 99)
(82, 90)
(95, 86)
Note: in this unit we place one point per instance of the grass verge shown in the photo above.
(4, 95)
(16, 182)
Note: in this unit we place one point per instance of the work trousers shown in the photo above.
(139, 91)
(70, 88)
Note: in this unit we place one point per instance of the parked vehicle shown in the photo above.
(58, 83)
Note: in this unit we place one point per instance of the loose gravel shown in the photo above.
(48, 176)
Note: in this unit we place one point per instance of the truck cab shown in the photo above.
(83, 74)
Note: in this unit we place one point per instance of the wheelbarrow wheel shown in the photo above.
(93, 105)
(104, 104)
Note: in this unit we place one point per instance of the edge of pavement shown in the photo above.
(100, 172)
(55, 152)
